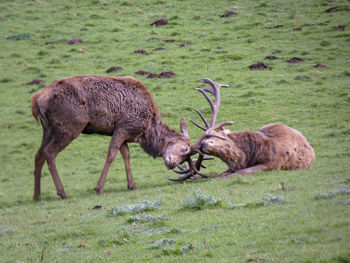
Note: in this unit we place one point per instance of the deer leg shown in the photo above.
(116, 142)
(124, 150)
(39, 162)
(51, 150)
(246, 171)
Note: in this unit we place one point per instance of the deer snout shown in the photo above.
(170, 161)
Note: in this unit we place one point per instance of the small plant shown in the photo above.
(269, 199)
(147, 218)
(162, 243)
(201, 201)
(178, 251)
(5, 231)
(342, 191)
(137, 208)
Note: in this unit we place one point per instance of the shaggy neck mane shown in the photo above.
(250, 143)
(157, 137)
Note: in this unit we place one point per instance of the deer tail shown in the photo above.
(35, 107)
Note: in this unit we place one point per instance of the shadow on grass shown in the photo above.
(85, 193)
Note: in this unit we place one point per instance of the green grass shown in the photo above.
(315, 101)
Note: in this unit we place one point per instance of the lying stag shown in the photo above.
(275, 146)
(121, 107)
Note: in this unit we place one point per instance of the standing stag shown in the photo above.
(273, 147)
(120, 107)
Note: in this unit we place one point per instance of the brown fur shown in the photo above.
(121, 107)
(275, 146)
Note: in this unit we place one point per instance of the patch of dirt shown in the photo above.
(159, 49)
(295, 60)
(141, 51)
(49, 43)
(320, 66)
(256, 260)
(219, 47)
(229, 14)
(260, 66)
(169, 40)
(163, 75)
(160, 22)
(272, 57)
(274, 27)
(340, 27)
(112, 69)
(75, 41)
(142, 72)
(297, 29)
(35, 82)
(185, 44)
(333, 9)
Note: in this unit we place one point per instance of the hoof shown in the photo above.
(62, 195)
(98, 190)
(133, 187)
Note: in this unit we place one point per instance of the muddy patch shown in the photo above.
(160, 22)
(114, 68)
(159, 49)
(333, 9)
(320, 66)
(260, 66)
(75, 41)
(340, 27)
(35, 82)
(150, 75)
(229, 14)
(294, 60)
(272, 57)
(141, 51)
(274, 27)
(185, 44)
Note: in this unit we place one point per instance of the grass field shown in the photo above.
(228, 222)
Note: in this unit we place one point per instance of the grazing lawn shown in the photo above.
(285, 61)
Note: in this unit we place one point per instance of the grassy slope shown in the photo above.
(315, 101)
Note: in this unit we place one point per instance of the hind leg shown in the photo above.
(51, 150)
(39, 163)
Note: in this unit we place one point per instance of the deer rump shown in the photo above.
(121, 107)
(274, 146)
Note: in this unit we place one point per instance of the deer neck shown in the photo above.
(155, 140)
(250, 145)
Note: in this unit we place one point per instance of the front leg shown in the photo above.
(245, 171)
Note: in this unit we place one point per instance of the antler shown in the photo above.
(193, 169)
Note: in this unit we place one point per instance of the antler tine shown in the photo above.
(203, 119)
(215, 90)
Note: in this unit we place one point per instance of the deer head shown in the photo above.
(210, 130)
(177, 148)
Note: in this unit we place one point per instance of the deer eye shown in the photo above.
(184, 149)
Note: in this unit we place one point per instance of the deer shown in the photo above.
(120, 107)
(273, 147)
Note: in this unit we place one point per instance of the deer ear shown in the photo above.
(183, 128)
